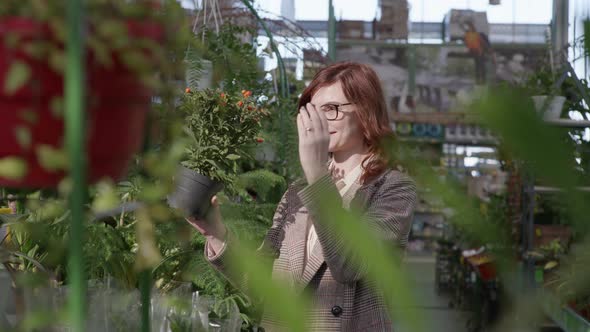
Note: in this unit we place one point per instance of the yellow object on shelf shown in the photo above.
(6, 210)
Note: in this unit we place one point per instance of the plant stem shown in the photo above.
(74, 91)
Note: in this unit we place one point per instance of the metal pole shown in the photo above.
(528, 231)
(412, 71)
(331, 32)
(559, 28)
(74, 124)
(145, 287)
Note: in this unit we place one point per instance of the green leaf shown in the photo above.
(13, 168)
(36, 49)
(135, 60)
(18, 75)
(29, 116)
(11, 40)
(56, 105)
(101, 52)
(57, 60)
(23, 136)
(232, 156)
(148, 254)
(52, 159)
(111, 29)
(106, 197)
(58, 28)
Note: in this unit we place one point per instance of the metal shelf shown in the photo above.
(443, 118)
(446, 118)
(546, 189)
(565, 317)
(420, 139)
(569, 123)
(458, 141)
(403, 44)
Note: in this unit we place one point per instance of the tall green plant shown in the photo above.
(219, 126)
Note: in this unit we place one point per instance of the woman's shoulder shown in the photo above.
(392, 177)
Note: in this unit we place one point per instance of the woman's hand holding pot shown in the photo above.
(212, 227)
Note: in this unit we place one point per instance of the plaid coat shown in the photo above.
(343, 300)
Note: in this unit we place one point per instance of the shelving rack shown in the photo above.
(566, 318)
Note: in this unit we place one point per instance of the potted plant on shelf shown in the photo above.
(219, 126)
(124, 49)
(546, 95)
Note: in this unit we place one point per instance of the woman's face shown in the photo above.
(345, 132)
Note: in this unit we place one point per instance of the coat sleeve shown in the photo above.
(269, 250)
(388, 215)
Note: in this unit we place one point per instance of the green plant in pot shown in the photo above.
(219, 127)
(546, 95)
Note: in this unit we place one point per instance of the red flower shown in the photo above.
(187, 90)
(222, 95)
(259, 139)
(240, 103)
(250, 108)
(246, 93)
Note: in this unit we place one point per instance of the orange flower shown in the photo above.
(240, 103)
(246, 93)
(222, 95)
(187, 90)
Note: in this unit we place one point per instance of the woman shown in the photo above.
(342, 114)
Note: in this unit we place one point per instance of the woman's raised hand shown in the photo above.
(314, 140)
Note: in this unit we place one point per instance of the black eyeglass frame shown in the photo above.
(337, 110)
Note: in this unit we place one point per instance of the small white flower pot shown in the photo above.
(554, 108)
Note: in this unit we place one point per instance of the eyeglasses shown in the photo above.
(332, 110)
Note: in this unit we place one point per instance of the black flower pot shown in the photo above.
(193, 193)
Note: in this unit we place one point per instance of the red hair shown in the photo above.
(362, 87)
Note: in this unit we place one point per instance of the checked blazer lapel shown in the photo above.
(314, 262)
(316, 258)
(296, 238)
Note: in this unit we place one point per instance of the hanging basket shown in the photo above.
(116, 106)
